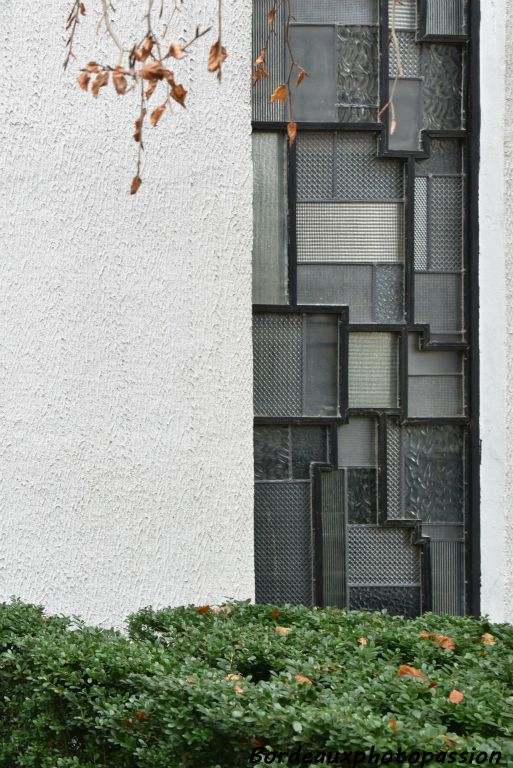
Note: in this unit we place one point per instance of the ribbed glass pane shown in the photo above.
(357, 87)
(381, 556)
(309, 444)
(314, 47)
(407, 105)
(263, 109)
(442, 92)
(345, 284)
(373, 364)
(271, 453)
(269, 219)
(278, 364)
(404, 12)
(388, 293)
(438, 302)
(362, 496)
(445, 17)
(333, 539)
(320, 393)
(447, 568)
(335, 11)
(357, 443)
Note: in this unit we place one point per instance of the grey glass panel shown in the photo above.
(406, 54)
(407, 105)
(445, 157)
(337, 284)
(357, 443)
(433, 472)
(283, 549)
(335, 11)
(381, 556)
(314, 47)
(388, 294)
(308, 444)
(360, 174)
(263, 108)
(435, 396)
(362, 496)
(315, 166)
(431, 361)
(320, 397)
(445, 17)
(350, 231)
(447, 568)
(272, 453)
(394, 502)
(278, 364)
(438, 302)
(442, 91)
(269, 219)
(333, 538)
(404, 12)
(373, 362)
(357, 87)
(399, 601)
(421, 224)
(446, 224)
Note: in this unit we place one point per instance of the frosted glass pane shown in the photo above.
(314, 47)
(320, 397)
(435, 396)
(384, 556)
(388, 293)
(357, 443)
(431, 361)
(438, 302)
(407, 104)
(346, 284)
(399, 601)
(373, 364)
(335, 11)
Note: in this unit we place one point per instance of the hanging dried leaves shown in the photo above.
(301, 76)
(157, 114)
(216, 58)
(178, 93)
(456, 697)
(100, 81)
(139, 125)
(136, 183)
(291, 132)
(83, 80)
(176, 50)
(279, 93)
(270, 16)
(120, 81)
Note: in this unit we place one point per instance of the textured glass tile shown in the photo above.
(398, 601)
(315, 166)
(405, 13)
(447, 568)
(421, 224)
(435, 396)
(269, 219)
(314, 47)
(445, 17)
(333, 539)
(357, 67)
(408, 55)
(360, 174)
(373, 362)
(445, 156)
(438, 302)
(431, 361)
(446, 224)
(357, 443)
(350, 232)
(320, 388)
(388, 294)
(433, 472)
(272, 453)
(335, 11)
(381, 556)
(332, 284)
(442, 92)
(393, 476)
(407, 105)
(278, 364)
(283, 548)
(362, 496)
(263, 109)
(308, 444)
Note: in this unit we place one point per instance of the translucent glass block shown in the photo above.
(314, 47)
(269, 219)
(278, 364)
(435, 396)
(283, 543)
(309, 444)
(407, 104)
(373, 366)
(381, 556)
(438, 302)
(388, 293)
(446, 224)
(394, 502)
(271, 453)
(360, 174)
(404, 12)
(398, 601)
(408, 55)
(320, 388)
(350, 232)
(421, 224)
(263, 109)
(433, 472)
(357, 67)
(445, 157)
(430, 362)
(442, 69)
(357, 443)
(447, 568)
(315, 166)
(362, 496)
(334, 284)
(445, 17)
(335, 11)
(333, 539)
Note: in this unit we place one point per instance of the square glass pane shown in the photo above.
(314, 47)
(403, 12)
(445, 157)
(357, 443)
(431, 361)
(445, 18)
(360, 174)
(357, 87)
(373, 370)
(407, 105)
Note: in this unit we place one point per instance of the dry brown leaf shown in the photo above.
(488, 639)
(142, 53)
(178, 93)
(136, 183)
(393, 725)
(223, 609)
(154, 71)
(270, 16)
(203, 609)
(280, 93)
(456, 697)
(153, 84)
(100, 81)
(259, 73)
(232, 677)
(120, 81)
(139, 125)
(292, 131)
(443, 641)
(157, 114)
(175, 50)
(282, 631)
(303, 679)
(261, 58)
(92, 66)
(275, 613)
(238, 689)
(82, 9)
(301, 77)
(216, 57)
(406, 671)
(83, 80)
(363, 641)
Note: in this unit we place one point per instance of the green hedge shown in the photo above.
(198, 688)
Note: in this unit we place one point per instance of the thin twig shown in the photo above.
(110, 28)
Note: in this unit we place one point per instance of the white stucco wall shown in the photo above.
(125, 347)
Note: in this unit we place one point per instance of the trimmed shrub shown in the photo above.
(191, 688)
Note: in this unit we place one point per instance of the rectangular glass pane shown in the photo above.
(393, 471)
(388, 293)
(445, 224)
(271, 453)
(320, 396)
(438, 302)
(314, 47)
(335, 11)
(407, 105)
(441, 66)
(269, 219)
(357, 443)
(347, 284)
(399, 601)
(333, 539)
(362, 496)
(278, 364)
(315, 158)
(445, 157)
(408, 55)
(445, 17)
(373, 366)
(309, 444)
(263, 109)
(403, 12)
(357, 87)
(429, 361)
(435, 396)
(381, 556)
(421, 224)
(447, 568)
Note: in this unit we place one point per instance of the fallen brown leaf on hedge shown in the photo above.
(303, 679)
(393, 725)
(456, 697)
(282, 631)
(363, 641)
(232, 677)
(443, 641)
(488, 639)
(203, 609)
(406, 671)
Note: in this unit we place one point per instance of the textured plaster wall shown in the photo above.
(125, 347)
